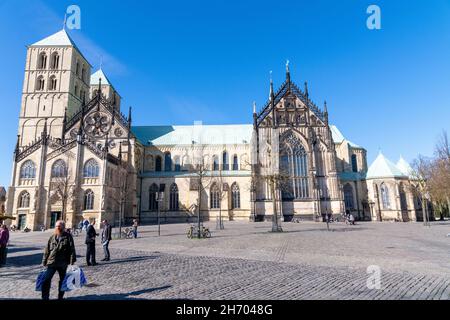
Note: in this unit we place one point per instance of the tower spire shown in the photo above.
(65, 21)
(271, 86)
(288, 74)
(325, 111)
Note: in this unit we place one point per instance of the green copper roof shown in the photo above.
(383, 168)
(199, 134)
(95, 78)
(338, 137)
(404, 167)
(61, 38)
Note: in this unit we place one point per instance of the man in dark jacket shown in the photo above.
(90, 243)
(106, 238)
(58, 254)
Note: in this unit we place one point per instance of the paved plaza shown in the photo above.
(247, 261)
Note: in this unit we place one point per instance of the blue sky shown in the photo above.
(180, 61)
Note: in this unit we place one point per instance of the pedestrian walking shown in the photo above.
(58, 254)
(85, 224)
(106, 238)
(135, 227)
(90, 243)
(4, 238)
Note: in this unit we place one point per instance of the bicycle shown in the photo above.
(128, 233)
(193, 232)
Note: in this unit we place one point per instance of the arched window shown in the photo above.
(236, 196)
(167, 162)
(83, 73)
(402, 193)
(28, 170)
(177, 164)
(59, 169)
(24, 200)
(42, 61)
(174, 198)
(354, 163)
(55, 61)
(40, 83)
(385, 196)
(52, 83)
(77, 69)
(76, 90)
(89, 200)
(153, 204)
(91, 169)
(215, 163)
(235, 163)
(214, 197)
(348, 197)
(225, 165)
(158, 164)
(294, 164)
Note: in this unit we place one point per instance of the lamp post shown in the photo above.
(159, 199)
(425, 209)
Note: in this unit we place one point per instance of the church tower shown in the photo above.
(57, 80)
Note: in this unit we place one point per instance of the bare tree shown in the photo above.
(222, 193)
(421, 175)
(200, 178)
(62, 189)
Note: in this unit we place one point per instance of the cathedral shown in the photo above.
(78, 156)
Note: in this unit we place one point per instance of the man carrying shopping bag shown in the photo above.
(58, 254)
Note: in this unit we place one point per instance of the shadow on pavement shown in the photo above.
(25, 260)
(13, 249)
(120, 296)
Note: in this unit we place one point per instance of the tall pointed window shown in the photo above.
(28, 170)
(173, 205)
(294, 164)
(89, 200)
(354, 163)
(59, 169)
(153, 204)
(91, 169)
(167, 162)
(348, 197)
(235, 163)
(214, 197)
(177, 164)
(235, 196)
(215, 163)
(225, 165)
(385, 196)
(158, 164)
(24, 200)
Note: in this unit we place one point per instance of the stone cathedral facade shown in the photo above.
(77, 156)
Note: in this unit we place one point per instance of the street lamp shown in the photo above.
(159, 199)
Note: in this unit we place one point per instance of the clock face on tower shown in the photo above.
(97, 125)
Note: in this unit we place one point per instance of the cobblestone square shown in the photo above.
(247, 261)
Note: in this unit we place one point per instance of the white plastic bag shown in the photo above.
(74, 279)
